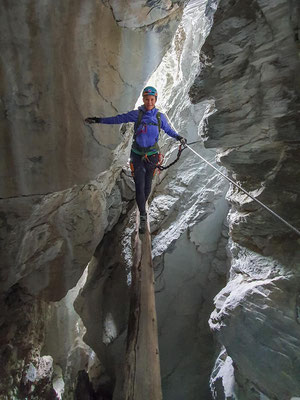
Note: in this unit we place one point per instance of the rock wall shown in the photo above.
(187, 213)
(63, 197)
(58, 193)
(51, 161)
(250, 67)
(187, 216)
(23, 371)
(59, 64)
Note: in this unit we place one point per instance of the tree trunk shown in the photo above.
(142, 369)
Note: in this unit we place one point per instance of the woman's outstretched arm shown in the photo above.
(131, 116)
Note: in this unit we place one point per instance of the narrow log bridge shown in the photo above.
(142, 369)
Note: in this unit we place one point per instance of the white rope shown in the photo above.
(248, 194)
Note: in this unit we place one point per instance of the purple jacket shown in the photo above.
(146, 135)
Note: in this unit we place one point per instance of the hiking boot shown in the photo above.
(143, 224)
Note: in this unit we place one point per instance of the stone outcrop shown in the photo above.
(58, 194)
(256, 320)
(250, 67)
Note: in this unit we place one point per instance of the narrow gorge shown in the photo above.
(227, 272)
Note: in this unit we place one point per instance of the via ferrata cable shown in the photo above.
(248, 194)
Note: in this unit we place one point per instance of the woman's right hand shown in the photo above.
(182, 140)
(92, 120)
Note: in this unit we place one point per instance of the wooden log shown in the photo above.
(142, 368)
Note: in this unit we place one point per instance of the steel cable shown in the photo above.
(248, 194)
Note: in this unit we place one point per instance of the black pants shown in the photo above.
(143, 174)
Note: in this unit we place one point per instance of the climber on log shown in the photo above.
(144, 156)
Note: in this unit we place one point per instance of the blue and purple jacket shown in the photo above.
(147, 132)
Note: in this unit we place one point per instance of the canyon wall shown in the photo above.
(58, 195)
(67, 198)
(59, 65)
(250, 67)
(187, 215)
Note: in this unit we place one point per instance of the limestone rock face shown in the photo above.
(60, 185)
(186, 214)
(60, 64)
(70, 68)
(66, 198)
(250, 67)
(257, 310)
(141, 13)
(58, 238)
(103, 304)
(250, 62)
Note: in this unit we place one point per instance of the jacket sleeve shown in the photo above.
(166, 127)
(131, 116)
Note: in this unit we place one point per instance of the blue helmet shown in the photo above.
(150, 91)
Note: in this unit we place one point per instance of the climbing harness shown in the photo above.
(248, 194)
(145, 150)
(158, 167)
(147, 159)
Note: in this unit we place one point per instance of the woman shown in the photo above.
(144, 152)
